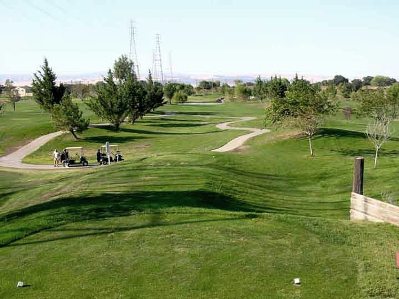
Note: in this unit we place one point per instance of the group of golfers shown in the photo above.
(60, 157)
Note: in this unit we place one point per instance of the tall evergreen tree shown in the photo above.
(122, 95)
(68, 117)
(45, 91)
(260, 89)
(151, 98)
(56, 100)
(112, 101)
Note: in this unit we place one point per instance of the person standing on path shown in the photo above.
(99, 157)
(56, 156)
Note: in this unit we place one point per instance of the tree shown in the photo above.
(392, 95)
(15, 97)
(45, 91)
(382, 81)
(277, 87)
(241, 91)
(378, 133)
(169, 90)
(117, 94)
(68, 117)
(330, 90)
(124, 69)
(205, 84)
(303, 107)
(356, 84)
(56, 100)
(79, 90)
(11, 93)
(367, 80)
(149, 97)
(345, 89)
(188, 89)
(338, 79)
(382, 108)
(121, 95)
(260, 89)
(9, 87)
(179, 97)
(378, 104)
(113, 100)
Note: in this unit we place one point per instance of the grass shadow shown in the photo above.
(51, 214)
(340, 133)
(113, 139)
(147, 132)
(178, 125)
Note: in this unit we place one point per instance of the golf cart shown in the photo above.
(74, 157)
(115, 154)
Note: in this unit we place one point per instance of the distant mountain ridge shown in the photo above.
(26, 79)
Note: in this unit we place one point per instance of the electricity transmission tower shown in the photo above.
(132, 48)
(157, 70)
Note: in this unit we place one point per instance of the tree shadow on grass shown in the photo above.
(113, 138)
(195, 113)
(147, 132)
(170, 119)
(178, 125)
(161, 113)
(34, 219)
(340, 133)
(367, 152)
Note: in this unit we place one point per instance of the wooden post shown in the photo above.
(358, 176)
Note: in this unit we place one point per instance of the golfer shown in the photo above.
(99, 157)
(56, 156)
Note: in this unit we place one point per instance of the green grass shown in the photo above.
(211, 97)
(178, 221)
(23, 125)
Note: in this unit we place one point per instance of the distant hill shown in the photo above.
(26, 79)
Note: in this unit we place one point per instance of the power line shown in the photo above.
(38, 8)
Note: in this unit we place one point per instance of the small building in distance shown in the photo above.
(23, 91)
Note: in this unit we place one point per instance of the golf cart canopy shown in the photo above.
(76, 149)
(111, 145)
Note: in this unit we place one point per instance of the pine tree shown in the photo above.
(56, 100)
(45, 91)
(68, 117)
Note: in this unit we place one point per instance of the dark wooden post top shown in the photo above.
(358, 176)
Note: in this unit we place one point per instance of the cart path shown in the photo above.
(14, 159)
(239, 141)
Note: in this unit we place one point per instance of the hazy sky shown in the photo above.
(353, 38)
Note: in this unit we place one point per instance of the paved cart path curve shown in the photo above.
(14, 159)
(239, 141)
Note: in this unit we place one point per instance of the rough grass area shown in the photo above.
(176, 220)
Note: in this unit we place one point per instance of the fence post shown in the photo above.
(358, 176)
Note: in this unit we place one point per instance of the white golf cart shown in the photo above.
(115, 154)
(73, 156)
